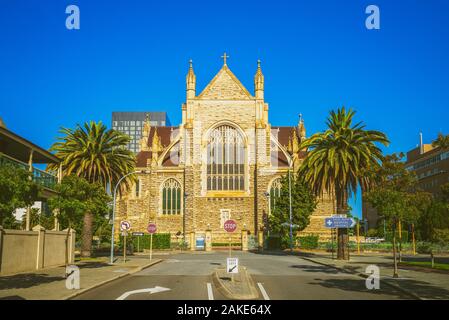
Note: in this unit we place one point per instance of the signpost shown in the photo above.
(230, 226)
(124, 227)
(151, 229)
(338, 222)
(138, 235)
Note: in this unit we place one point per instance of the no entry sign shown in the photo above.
(125, 225)
(151, 228)
(230, 225)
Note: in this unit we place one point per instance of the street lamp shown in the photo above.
(113, 210)
(290, 198)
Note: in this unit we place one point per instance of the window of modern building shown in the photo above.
(171, 197)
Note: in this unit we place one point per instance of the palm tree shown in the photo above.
(441, 142)
(96, 154)
(338, 161)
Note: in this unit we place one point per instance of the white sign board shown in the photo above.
(232, 265)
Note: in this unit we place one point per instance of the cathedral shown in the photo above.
(224, 161)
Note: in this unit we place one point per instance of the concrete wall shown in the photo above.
(25, 251)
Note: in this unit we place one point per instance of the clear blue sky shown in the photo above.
(316, 55)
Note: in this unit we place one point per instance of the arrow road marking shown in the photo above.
(149, 290)
(210, 293)
(264, 293)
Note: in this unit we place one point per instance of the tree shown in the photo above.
(435, 220)
(39, 218)
(303, 204)
(338, 160)
(79, 200)
(18, 190)
(441, 142)
(396, 198)
(97, 155)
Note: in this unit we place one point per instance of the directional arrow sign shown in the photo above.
(339, 222)
(148, 290)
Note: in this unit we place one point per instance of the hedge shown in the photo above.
(160, 241)
(308, 242)
(273, 242)
(226, 244)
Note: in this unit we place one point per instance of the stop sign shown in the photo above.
(151, 228)
(230, 225)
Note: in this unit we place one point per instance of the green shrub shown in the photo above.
(389, 236)
(160, 241)
(441, 236)
(226, 244)
(308, 242)
(372, 233)
(273, 242)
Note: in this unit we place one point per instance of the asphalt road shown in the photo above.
(188, 276)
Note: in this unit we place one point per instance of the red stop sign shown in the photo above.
(230, 225)
(151, 228)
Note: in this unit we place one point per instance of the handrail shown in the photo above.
(44, 178)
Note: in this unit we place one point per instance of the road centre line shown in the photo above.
(264, 293)
(210, 293)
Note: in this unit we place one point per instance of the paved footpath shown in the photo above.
(422, 284)
(49, 284)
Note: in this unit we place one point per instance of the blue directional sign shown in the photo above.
(337, 222)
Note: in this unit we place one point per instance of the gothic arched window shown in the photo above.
(225, 159)
(275, 193)
(171, 197)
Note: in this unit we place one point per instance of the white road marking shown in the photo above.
(149, 290)
(210, 293)
(264, 293)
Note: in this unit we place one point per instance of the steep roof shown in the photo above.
(225, 86)
(166, 134)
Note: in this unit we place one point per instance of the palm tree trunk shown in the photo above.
(86, 237)
(342, 234)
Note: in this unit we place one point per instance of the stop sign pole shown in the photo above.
(151, 229)
(230, 226)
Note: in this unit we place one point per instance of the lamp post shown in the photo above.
(113, 211)
(290, 198)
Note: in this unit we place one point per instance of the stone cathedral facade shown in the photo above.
(224, 161)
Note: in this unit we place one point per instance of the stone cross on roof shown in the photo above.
(225, 56)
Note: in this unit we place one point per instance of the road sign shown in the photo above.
(230, 225)
(232, 265)
(124, 233)
(151, 228)
(125, 225)
(138, 234)
(337, 222)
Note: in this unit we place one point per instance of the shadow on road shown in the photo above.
(422, 289)
(356, 285)
(317, 268)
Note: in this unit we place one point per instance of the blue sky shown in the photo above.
(316, 56)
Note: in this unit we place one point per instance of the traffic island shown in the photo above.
(238, 286)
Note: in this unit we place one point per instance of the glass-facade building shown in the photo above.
(131, 123)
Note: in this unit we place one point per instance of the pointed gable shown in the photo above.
(225, 86)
